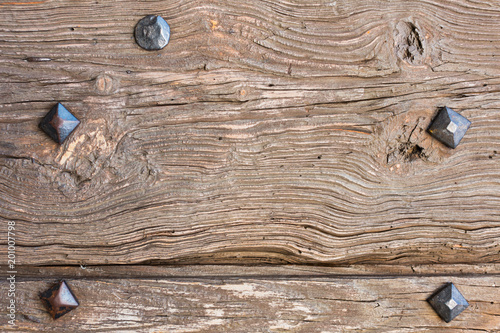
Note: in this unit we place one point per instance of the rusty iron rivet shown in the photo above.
(448, 302)
(59, 300)
(449, 127)
(152, 33)
(59, 123)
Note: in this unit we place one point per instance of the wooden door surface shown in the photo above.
(269, 170)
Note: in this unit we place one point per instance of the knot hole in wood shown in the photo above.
(105, 84)
(402, 144)
(410, 43)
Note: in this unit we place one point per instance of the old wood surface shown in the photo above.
(266, 132)
(252, 271)
(260, 302)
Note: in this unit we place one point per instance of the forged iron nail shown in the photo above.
(152, 33)
(59, 123)
(448, 302)
(59, 300)
(449, 127)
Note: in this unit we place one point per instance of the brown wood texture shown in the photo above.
(260, 302)
(252, 271)
(266, 131)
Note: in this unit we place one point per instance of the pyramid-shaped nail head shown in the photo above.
(448, 302)
(59, 300)
(449, 127)
(59, 123)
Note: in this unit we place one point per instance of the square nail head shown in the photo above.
(449, 127)
(59, 300)
(448, 302)
(59, 123)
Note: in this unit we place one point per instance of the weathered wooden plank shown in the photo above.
(300, 38)
(267, 131)
(259, 305)
(247, 271)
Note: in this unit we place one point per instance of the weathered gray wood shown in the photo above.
(267, 131)
(259, 304)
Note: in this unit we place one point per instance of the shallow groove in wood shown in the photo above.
(195, 271)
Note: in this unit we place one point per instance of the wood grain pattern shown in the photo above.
(266, 131)
(266, 304)
(252, 271)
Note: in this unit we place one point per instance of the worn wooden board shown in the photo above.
(267, 131)
(258, 304)
(251, 271)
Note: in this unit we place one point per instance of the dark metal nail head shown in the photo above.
(59, 300)
(449, 127)
(152, 33)
(59, 123)
(448, 302)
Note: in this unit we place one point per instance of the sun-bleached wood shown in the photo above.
(265, 132)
